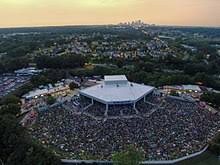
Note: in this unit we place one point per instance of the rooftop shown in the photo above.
(192, 87)
(116, 78)
(119, 92)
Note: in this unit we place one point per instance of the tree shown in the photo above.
(213, 98)
(32, 153)
(145, 66)
(131, 156)
(214, 145)
(73, 85)
(40, 80)
(51, 100)
(60, 62)
(10, 99)
(119, 63)
(19, 92)
(17, 148)
(102, 70)
(49, 76)
(193, 68)
(11, 134)
(13, 109)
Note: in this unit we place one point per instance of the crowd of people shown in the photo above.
(121, 110)
(98, 110)
(173, 130)
(145, 108)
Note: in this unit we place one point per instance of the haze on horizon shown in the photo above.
(18, 13)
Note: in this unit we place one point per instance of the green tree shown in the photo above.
(11, 134)
(13, 109)
(10, 99)
(60, 62)
(17, 148)
(120, 63)
(40, 80)
(102, 70)
(214, 145)
(29, 152)
(73, 85)
(51, 100)
(19, 92)
(131, 156)
(210, 97)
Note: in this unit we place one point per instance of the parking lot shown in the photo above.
(8, 83)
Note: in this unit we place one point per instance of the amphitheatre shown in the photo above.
(107, 117)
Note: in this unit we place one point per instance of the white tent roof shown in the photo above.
(37, 92)
(192, 87)
(129, 92)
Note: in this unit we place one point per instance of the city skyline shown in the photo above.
(25, 13)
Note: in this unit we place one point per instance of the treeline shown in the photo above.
(20, 45)
(16, 147)
(11, 64)
(211, 97)
(146, 70)
(60, 62)
(147, 76)
(159, 72)
(148, 64)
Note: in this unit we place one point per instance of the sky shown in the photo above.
(19, 13)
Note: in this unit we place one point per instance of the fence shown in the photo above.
(162, 162)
